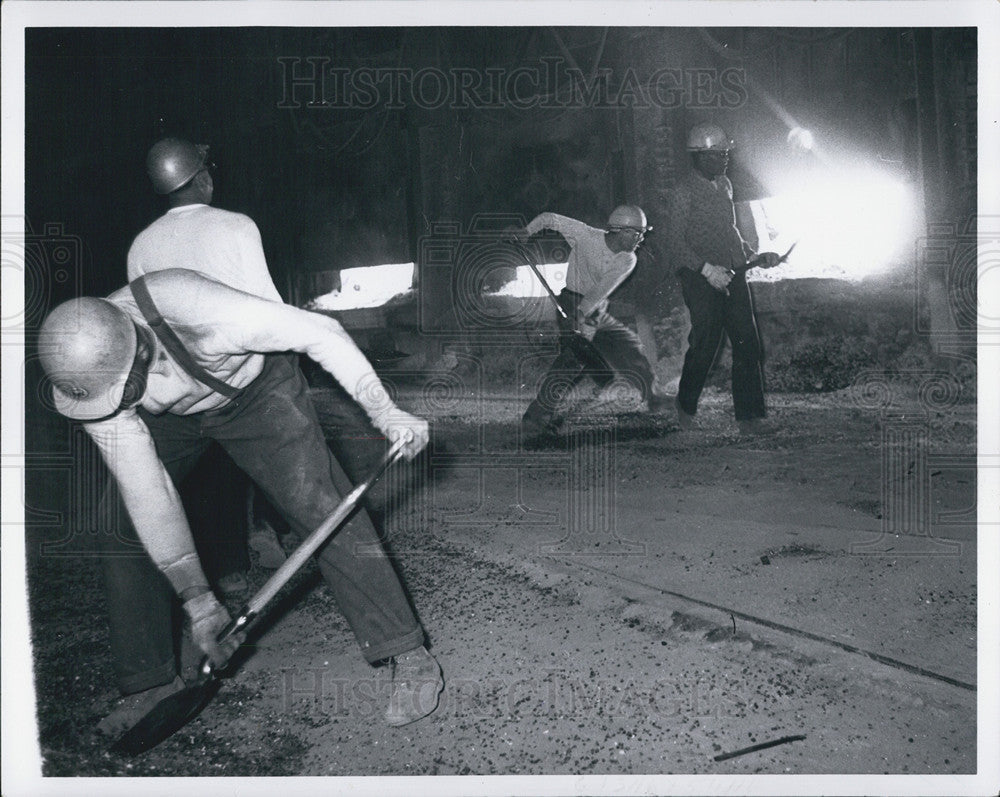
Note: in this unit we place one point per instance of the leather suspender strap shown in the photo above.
(173, 344)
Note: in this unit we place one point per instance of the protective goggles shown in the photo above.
(642, 233)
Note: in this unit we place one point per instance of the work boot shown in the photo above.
(685, 420)
(416, 685)
(134, 707)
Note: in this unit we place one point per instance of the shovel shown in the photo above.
(585, 350)
(176, 710)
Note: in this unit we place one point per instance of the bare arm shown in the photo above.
(257, 325)
(222, 321)
(568, 228)
(150, 497)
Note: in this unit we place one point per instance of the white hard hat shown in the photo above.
(708, 137)
(629, 216)
(87, 347)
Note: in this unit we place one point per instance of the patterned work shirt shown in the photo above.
(702, 225)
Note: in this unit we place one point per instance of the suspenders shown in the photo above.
(173, 344)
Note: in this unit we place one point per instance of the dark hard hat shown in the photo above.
(173, 162)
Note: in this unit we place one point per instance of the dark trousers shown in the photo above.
(713, 313)
(619, 352)
(273, 434)
(215, 500)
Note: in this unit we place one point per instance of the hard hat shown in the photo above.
(707, 136)
(87, 348)
(173, 162)
(630, 216)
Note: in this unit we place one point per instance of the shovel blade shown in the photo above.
(166, 718)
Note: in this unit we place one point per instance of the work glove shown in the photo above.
(588, 329)
(397, 424)
(208, 618)
(717, 276)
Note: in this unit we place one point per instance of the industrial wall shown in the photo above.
(354, 147)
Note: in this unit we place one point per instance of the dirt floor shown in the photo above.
(632, 600)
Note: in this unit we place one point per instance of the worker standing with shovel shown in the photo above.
(156, 371)
(599, 261)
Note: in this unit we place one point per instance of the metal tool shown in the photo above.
(174, 711)
(762, 746)
(582, 347)
(760, 259)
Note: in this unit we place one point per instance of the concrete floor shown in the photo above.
(633, 604)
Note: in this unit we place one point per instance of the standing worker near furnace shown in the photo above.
(156, 371)
(227, 247)
(599, 261)
(192, 234)
(710, 255)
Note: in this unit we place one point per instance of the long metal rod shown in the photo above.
(762, 746)
(530, 263)
(788, 629)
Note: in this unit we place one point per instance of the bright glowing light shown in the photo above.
(800, 138)
(525, 283)
(849, 225)
(369, 286)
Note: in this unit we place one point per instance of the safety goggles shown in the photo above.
(641, 233)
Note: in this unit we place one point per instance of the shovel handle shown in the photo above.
(308, 547)
(311, 543)
(548, 289)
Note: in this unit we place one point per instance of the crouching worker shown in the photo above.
(159, 369)
(599, 261)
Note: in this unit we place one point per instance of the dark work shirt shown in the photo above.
(702, 225)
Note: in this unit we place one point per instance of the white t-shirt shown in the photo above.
(592, 270)
(223, 245)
